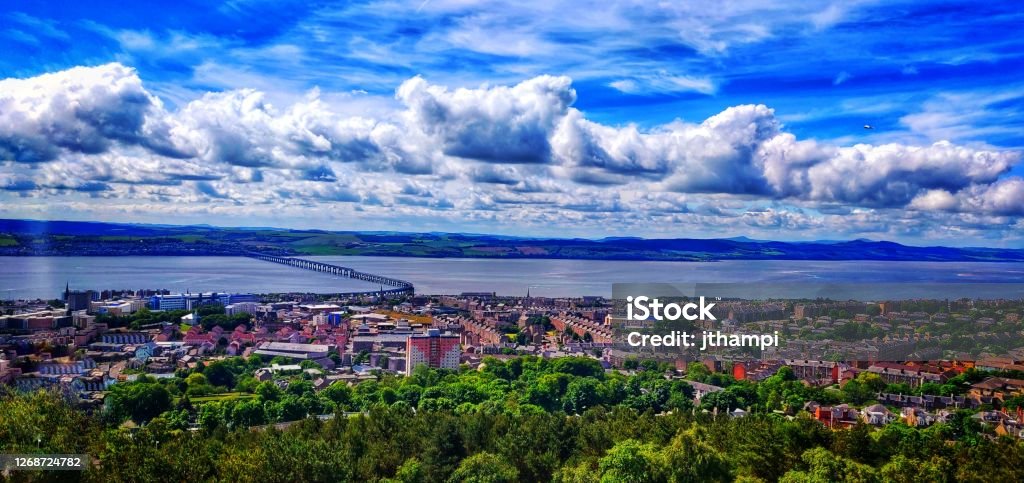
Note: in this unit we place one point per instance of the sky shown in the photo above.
(548, 118)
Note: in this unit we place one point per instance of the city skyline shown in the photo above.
(540, 120)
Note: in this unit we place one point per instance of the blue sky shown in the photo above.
(624, 144)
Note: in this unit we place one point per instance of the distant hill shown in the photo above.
(32, 237)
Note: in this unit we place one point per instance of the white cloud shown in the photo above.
(493, 154)
(934, 200)
(496, 124)
(973, 116)
(841, 77)
(664, 83)
(80, 110)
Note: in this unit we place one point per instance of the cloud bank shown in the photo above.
(518, 155)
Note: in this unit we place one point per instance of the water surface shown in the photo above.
(44, 277)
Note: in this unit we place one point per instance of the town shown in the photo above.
(88, 343)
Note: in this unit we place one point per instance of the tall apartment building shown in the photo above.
(433, 350)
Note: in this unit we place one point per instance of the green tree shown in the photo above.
(411, 471)
(220, 374)
(300, 387)
(339, 393)
(688, 458)
(140, 401)
(825, 467)
(484, 468)
(906, 470)
(631, 461)
(581, 394)
(444, 450)
(695, 371)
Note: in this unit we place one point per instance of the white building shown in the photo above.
(241, 308)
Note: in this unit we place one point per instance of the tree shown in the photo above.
(246, 383)
(695, 371)
(268, 391)
(248, 413)
(581, 394)
(906, 470)
(196, 379)
(630, 461)
(211, 416)
(411, 471)
(300, 387)
(444, 450)
(581, 473)
(578, 366)
(484, 468)
(825, 467)
(219, 374)
(410, 393)
(177, 419)
(688, 458)
(140, 401)
(339, 393)
(724, 401)
(785, 373)
(291, 409)
(863, 388)
(43, 421)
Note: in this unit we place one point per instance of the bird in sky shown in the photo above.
(868, 126)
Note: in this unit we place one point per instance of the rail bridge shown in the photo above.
(397, 287)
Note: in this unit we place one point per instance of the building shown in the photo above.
(188, 301)
(999, 364)
(336, 318)
(914, 376)
(998, 387)
(433, 350)
(75, 368)
(117, 307)
(124, 338)
(40, 320)
(241, 308)
(700, 390)
(294, 351)
(877, 415)
(584, 328)
(841, 416)
(77, 299)
(816, 372)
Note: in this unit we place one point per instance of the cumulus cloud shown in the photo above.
(520, 151)
(80, 110)
(1004, 197)
(494, 124)
(893, 174)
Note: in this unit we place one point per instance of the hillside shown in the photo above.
(30, 237)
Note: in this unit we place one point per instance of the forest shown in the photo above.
(526, 419)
